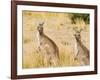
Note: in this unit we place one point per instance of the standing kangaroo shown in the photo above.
(48, 48)
(82, 52)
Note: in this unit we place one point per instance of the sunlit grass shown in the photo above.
(36, 59)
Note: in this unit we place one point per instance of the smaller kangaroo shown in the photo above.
(82, 52)
(48, 48)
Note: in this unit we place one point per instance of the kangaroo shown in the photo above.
(48, 48)
(82, 52)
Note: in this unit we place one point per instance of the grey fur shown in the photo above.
(82, 52)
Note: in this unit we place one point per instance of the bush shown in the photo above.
(84, 17)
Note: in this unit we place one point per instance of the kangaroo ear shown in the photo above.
(42, 24)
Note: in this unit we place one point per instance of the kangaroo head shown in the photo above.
(77, 34)
(40, 28)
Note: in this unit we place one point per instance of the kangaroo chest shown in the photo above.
(79, 50)
(45, 44)
(42, 41)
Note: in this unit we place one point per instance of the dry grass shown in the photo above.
(59, 28)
